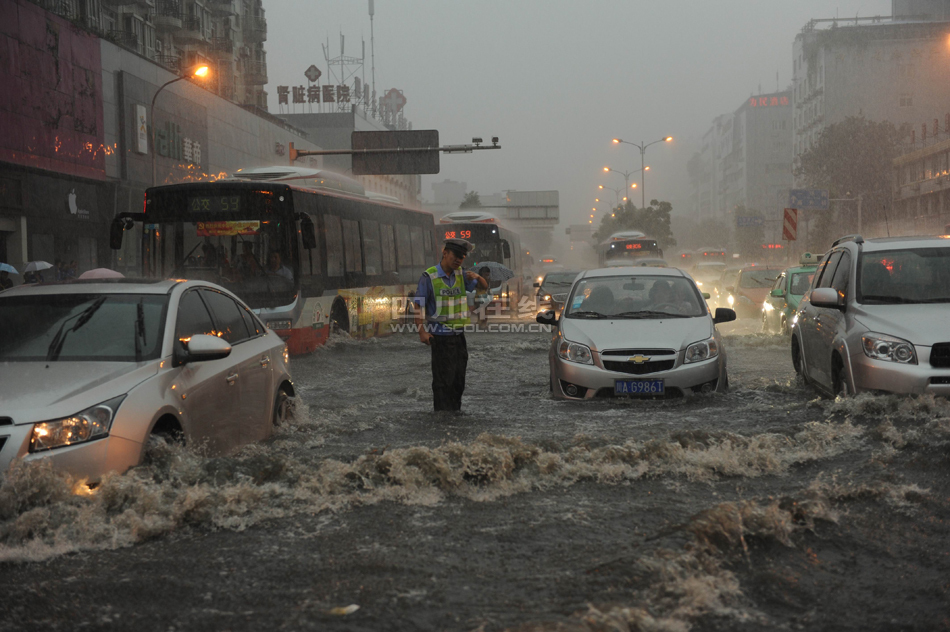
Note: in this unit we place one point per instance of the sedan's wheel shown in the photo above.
(839, 384)
(283, 408)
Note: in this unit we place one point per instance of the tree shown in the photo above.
(851, 158)
(471, 200)
(654, 221)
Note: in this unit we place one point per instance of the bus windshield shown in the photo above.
(230, 238)
(485, 238)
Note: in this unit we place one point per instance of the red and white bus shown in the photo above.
(307, 250)
(626, 247)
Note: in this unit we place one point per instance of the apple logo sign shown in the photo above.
(72, 202)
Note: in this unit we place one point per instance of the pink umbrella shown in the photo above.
(101, 273)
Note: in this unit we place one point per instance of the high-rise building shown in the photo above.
(895, 70)
(227, 35)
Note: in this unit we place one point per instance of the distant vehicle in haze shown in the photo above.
(751, 288)
(625, 247)
(553, 289)
(493, 242)
(780, 305)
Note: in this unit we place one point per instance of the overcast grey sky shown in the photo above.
(557, 79)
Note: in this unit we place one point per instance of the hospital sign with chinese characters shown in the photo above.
(769, 101)
(313, 94)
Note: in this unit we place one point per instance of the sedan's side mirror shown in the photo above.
(724, 315)
(826, 297)
(537, 284)
(201, 348)
(546, 318)
(778, 292)
(706, 295)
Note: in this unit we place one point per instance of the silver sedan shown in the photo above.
(91, 371)
(640, 332)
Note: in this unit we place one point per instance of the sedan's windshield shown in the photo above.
(635, 297)
(87, 327)
(758, 278)
(801, 281)
(911, 275)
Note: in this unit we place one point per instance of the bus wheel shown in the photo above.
(339, 318)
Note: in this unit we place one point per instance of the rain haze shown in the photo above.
(252, 379)
(556, 81)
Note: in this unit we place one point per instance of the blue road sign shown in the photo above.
(747, 222)
(808, 199)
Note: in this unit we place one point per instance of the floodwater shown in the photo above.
(766, 508)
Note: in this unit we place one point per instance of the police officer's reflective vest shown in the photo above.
(451, 302)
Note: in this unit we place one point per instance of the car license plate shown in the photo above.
(638, 387)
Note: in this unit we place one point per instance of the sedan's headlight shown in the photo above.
(575, 352)
(889, 348)
(546, 297)
(92, 423)
(703, 350)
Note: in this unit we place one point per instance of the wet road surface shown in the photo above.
(765, 508)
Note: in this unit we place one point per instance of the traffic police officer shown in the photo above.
(441, 319)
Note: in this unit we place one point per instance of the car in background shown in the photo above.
(91, 371)
(875, 318)
(553, 289)
(727, 279)
(752, 285)
(635, 332)
(782, 301)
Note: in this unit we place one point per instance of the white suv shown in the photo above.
(876, 318)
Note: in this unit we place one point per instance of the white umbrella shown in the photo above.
(499, 273)
(6, 267)
(101, 273)
(36, 266)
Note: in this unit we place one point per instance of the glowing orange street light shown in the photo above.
(643, 169)
(200, 71)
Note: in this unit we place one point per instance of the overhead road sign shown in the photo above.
(808, 199)
(748, 222)
(395, 152)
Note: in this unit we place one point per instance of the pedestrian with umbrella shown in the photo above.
(5, 281)
(441, 317)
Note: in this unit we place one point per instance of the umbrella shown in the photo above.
(101, 273)
(36, 266)
(6, 267)
(499, 273)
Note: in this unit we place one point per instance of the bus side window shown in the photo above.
(430, 250)
(371, 250)
(309, 259)
(352, 252)
(388, 247)
(418, 251)
(334, 245)
(404, 254)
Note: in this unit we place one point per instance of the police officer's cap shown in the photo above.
(459, 246)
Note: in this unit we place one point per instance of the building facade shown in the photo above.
(227, 35)
(76, 145)
(745, 159)
(896, 71)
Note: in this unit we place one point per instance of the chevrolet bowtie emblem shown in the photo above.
(638, 359)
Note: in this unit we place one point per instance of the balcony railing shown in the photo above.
(255, 28)
(255, 72)
(172, 62)
(222, 45)
(124, 38)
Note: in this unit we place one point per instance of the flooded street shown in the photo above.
(765, 508)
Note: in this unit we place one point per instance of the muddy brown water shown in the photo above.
(766, 508)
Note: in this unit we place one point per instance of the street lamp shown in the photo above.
(626, 176)
(617, 192)
(200, 71)
(643, 150)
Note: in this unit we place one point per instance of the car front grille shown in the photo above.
(643, 368)
(633, 352)
(559, 298)
(942, 379)
(6, 421)
(940, 355)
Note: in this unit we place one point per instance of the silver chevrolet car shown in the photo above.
(89, 371)
(636, 332)
(877, 318)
